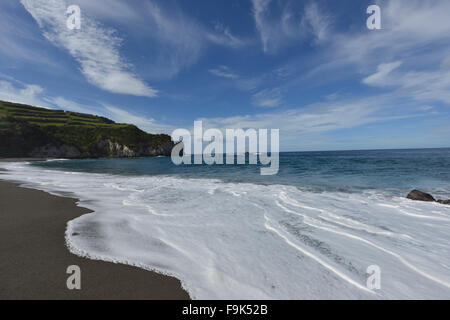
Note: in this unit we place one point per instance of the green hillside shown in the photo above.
(27, 131)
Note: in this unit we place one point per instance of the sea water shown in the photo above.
(311, 232)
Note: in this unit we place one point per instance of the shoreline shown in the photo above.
(34, 256)
(191, 239)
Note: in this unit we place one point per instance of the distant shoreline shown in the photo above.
(35, 258)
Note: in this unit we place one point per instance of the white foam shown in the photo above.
(248, 241)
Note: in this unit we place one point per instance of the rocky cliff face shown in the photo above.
(114, 149)
(52, 151)
(105, 148)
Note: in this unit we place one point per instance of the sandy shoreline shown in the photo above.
(34, 258)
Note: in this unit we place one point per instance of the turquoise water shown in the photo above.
(397, 171)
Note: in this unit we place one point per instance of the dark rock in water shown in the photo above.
(420, 196)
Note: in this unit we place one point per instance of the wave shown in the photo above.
(249, 241)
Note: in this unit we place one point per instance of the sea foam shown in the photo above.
(250, 241)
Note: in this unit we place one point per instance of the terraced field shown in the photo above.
(46, 117)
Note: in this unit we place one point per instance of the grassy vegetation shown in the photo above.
(24, 128)
(46, 116)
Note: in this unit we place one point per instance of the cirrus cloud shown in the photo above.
(94, 47)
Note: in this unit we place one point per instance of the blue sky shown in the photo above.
(309, 68)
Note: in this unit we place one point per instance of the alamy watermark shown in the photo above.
(74, 280)
(235, 146)
(374, 279)
(374, 21)
(74, 20)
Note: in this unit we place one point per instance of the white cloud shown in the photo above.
(224, 37)
(424, 85)
(317, 21)
(313, 118)
(409, 26)
(432, 85)
(408, 57)
(290, 25)
(250, 83)
(177, 39)
(267, 98)
(270, 31)
(94, 47)
(109, 9)
(25, 93)
(224, 72)
(181, 40)
(308, 127)
(68, 105)
(144, 123)
(380, 77)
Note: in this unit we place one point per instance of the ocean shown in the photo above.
(314, 231)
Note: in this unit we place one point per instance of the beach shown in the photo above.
(226, 232)
(34, 257)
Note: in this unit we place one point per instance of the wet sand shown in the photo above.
(34, 258)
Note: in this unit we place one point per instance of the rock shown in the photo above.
(108, 148)
(53, 151)
(420, 196)
(116, 150)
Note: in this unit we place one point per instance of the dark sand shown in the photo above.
(34, 258)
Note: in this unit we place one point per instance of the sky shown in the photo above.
(309, 68)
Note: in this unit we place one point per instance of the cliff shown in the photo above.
(27, 131)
